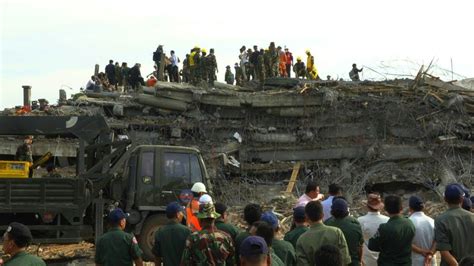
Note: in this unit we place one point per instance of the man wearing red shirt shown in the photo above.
(289, 62)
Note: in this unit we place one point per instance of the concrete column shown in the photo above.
(26, 95)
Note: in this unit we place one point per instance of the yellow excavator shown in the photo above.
(21, 169)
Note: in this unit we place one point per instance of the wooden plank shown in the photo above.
(294, 175)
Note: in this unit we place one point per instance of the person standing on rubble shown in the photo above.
(267, 58)
(125, 75)
(203, 65)
(229, 76)
(192, 208)
(354, 73)
(274, 60)
(311, 70)
(239, 76)
(253, 62)
(118, 74)
(243, 56)
(282, 62)
(260, 68)
(185, 71)
(211, 65)
(174, 60)
(157, 56)
(289, 62)
(311, 194)
(299, 68)
(110, 72)
(136, 78)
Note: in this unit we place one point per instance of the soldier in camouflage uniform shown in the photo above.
(209, 246)
(185, 70)
(260, 68)
(274, 60)
(267, 62)
(239, 75)
(211, 64)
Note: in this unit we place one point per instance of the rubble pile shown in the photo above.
(398, 136)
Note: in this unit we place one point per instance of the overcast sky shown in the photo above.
(52, 44)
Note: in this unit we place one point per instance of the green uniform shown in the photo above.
(239, 76)
(211, 66)
(238, 241)
(275, 62)
(170, 241)
(453, 233)
(300, 69)
(260, 69)
(353, 234)
(393, 240)
(117, 247)
(318, 235)
(268, 63)
(206, 247)
(293, 235)
(276, 261)
(24, 259)
(285, 251)
(229, 77)
(228, 228)
(202, 67)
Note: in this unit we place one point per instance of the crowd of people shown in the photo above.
(323, 233)
(200, 67)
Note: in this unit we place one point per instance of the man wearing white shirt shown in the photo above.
(334, 191)
(423, 248)
(370, 224)
(311, 194)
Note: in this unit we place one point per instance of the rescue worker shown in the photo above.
(202, 66)
(170, 239)
(157, 56)
(289, 62)
(253, 61)
(248, 68)
(260, 68)
(125, 70)
(185, 70)
(283, 249)
(354, 73)
(24, 152)
(221, 222)
(268, 63)
(299, 68)
(209, 246)
(192, 208)
(274, 60)
(16, 239)
(239, 75)
(193, 64)
(117, 247)
(311, 71)
(282, 62)
(229, 76)
(211, 65)
(118, 74)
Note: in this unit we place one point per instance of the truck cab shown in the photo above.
(154, 176)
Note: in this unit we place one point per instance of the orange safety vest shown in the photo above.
(191, 220)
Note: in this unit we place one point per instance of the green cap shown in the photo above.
(207, 210)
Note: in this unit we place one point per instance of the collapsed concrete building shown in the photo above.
(398, 136)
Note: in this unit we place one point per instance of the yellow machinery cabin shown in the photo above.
(14, 169)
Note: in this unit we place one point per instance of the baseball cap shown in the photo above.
(173, 208)
(374, 201)
(415, 202)
(298, 212)
(467, 204)
(252, 246)
(339, 205)
(453, 191)
(270, 218)
(116, 215)
(19, 232)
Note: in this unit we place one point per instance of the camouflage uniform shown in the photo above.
(211, 65)
(275, 63)
(208, 246)
(260, 69)
(203, 67)
(239, 76)
(267, 62)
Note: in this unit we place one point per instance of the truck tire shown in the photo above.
(147, 234)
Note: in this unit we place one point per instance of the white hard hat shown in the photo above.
(205, 199)
(199, 187)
